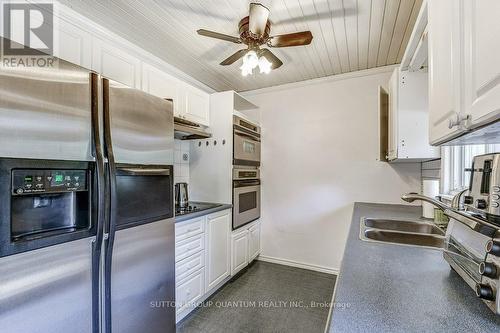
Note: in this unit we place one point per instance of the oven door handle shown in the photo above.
(142, 172)
(245, 135)
(245, 183)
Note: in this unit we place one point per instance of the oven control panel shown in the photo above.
(29, 181)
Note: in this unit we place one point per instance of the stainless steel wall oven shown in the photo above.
(246, 136)
(246, 196)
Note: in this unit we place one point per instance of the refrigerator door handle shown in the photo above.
(110, 206)
(143, 172)
(99, 159)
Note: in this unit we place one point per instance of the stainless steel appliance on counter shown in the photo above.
(246, 195)
(473, 233)
(181, 195)
(85, 245)
(480, 242)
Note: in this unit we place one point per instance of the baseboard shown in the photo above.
(297, 264)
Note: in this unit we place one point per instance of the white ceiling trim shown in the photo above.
(321, 80)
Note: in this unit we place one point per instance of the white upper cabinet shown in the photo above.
(446, 118)
(392, 150)
(482, 60)
(196, 105)
(158, 83)
(116, 64)
(464, 69)
(189, 103)
(75, 45)
(408, 118)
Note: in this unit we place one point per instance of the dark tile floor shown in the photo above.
(266, 298)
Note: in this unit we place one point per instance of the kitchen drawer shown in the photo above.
(189, 265)
(190, 290)
(189, 247)
(186, 229)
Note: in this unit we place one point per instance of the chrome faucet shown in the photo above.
(455, 201)
(410, 197)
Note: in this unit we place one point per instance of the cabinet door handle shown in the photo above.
(458, 120)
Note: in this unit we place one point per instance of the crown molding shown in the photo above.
(321, 80)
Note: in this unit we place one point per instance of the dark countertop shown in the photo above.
(189, 216)
(391, 288)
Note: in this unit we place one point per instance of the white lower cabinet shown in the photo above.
(188, 266)
(253, 242)
(189, 291)
(239, 241)
(189, 247)
(245, 244)
(218, 252)
(202, 259)
(207, 253)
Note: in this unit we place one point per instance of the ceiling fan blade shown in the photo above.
(218, 35)
(258, 19)
(276, 62)
(235, 56)
(293, 39)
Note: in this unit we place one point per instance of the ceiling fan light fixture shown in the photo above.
(250, 61)
(254, 31)
(265, 65)
(245, 70)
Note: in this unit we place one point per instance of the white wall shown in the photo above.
(319, 151)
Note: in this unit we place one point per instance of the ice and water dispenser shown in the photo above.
(44, 203)
(48, 202)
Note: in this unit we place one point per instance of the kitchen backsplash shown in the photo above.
(181, 161)
(431, 169)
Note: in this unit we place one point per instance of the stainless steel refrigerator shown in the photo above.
(86, 204)
(139, 252)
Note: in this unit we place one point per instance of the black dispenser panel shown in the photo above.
(45, 202)
(25, 182)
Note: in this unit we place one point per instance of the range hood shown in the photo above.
(188, 130)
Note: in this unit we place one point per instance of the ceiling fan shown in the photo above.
(254, 32)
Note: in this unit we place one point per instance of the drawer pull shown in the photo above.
(188, 291)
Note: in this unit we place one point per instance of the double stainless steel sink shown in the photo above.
(402, 232)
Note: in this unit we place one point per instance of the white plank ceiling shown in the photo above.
(349, 35)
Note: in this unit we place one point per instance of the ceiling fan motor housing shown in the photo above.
(250, 38)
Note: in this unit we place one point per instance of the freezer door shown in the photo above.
(45, 113)
(143, 279)
(142, 126)
(48, 290)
